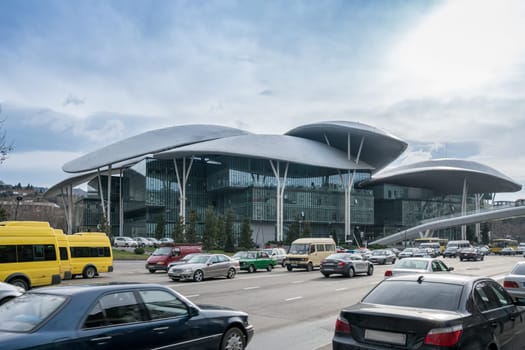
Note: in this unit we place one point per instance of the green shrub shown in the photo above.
(139, 250)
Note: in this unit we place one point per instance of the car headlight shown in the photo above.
(187, 270)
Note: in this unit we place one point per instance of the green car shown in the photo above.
(253, 260)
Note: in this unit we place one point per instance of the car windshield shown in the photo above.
(425, 295)
(519, 269)
(162, 251)
(299, 249)
(379, 252)
(28, 311)
(199, 259)
(240, 255)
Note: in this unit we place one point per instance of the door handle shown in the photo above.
(101, 339)
(494, 325)
(161, 328)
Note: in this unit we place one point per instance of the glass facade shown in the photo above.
(151, 193)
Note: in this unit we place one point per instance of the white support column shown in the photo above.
(121, 207)
(464, 208)
(101, 194)
(280, 187)
(66, 209)
(70, 221)
(478, 197)
(108, 216)
(181, 183)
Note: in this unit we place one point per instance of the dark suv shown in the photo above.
(450, 252)
(470, 254)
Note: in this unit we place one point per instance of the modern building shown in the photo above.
(325, 176)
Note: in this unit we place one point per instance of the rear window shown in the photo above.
(519, 269)
(426, 295)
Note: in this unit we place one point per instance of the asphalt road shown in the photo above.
(289, 310)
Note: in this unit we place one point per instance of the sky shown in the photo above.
(448, 77)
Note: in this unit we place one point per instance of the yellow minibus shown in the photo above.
(90, 254)
(29, 254)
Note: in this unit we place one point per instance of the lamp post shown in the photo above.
(18, 200)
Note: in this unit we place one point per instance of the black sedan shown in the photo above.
(118, 316)
(470, 254)
(346, 264)
(433, 312)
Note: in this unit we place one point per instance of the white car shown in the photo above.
(122, 241)
(143, 242)
(417, 266)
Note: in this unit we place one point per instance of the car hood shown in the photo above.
(216, 309)
(190, 266)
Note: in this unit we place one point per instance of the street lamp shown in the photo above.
(18, 200)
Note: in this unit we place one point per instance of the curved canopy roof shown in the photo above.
(447, 176)
(380, 148)
(147, 143)
(277, 147)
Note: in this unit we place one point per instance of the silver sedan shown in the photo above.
(9, 291)
(204, 266)
(417, 265)
(514, 282)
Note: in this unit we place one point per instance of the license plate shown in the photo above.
(385, 337)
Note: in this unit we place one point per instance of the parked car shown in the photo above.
(143, 242)
(166, 241)
(204, 266)
(382, 256)
(417, 265)
(118, 316)
(255, 260)
(346, 264)
(471, 254)
(277, 254)
(508, 251)
(514, 282)
(9, 291)
(122, 241)
(162, 257)
(450, 252)
(425, 253)
(432, 311)
(155, 242)
(407, 253)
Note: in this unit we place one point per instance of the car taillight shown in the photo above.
(444, 336)
(510, 284)
(388, 273)
(340, 263)
(342, 325)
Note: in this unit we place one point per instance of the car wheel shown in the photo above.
(251, 268)
(175, 279)
(326, 275)
(89, 272)
(269, 267)
(231, 273)
(309, 267)
(393, 261)
(151, 271)
(19, 282)
(350, 273)
(370, 271)
(460, 259)
(482, 257)
(383, 262)
(233, 339)
(283, 264)
(289, 267)
(198, 276)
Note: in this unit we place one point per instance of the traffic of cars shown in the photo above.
(346, 264)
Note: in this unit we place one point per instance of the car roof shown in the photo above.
(95, 287)
(440, 278)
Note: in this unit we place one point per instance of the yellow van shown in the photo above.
(309, 252)
(90, 254)
(63, 257)
(29, 254)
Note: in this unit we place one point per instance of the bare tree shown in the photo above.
(5, 147)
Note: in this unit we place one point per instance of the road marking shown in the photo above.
(294, 298)
(297, 281)
(192, 296)
(340, 289)
(249, 288)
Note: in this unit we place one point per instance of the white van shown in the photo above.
(308, 253)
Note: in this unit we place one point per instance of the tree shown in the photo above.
(210, 228)
(178, 231)
(229, 245)
(5, 147)
(191, 227)
(220, 232)
(293, 231)
(4, 215)
(160, 229)
(485, 233)
(307, 230)
(245, 240)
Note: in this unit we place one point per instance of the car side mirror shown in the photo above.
(451, 269)
(193, 311)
